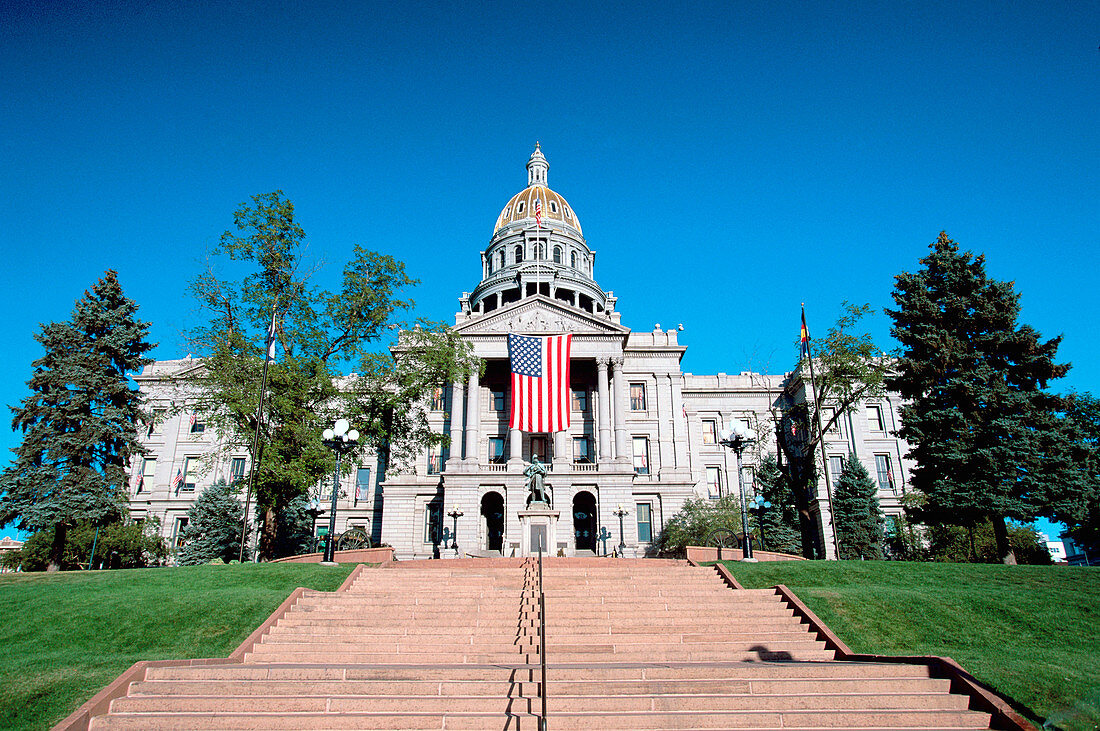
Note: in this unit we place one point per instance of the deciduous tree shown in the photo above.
(318, 333)
(982, 428)
(78, 421)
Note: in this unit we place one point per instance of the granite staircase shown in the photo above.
(631, 644)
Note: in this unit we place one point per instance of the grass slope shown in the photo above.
(1030, 632)
(67, 635)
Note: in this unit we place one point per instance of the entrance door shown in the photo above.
(584, 521)
(492, 521)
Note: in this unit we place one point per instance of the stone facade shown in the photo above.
(643, 436)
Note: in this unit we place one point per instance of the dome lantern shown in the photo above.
(537, 167)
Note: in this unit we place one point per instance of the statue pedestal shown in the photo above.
(538, 525)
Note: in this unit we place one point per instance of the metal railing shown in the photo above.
(543, 726)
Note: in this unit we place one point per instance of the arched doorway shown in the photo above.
(584, 521)
(492, 521)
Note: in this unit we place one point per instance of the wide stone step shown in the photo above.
(588, 672)
(789, 720)
(504, 688)
(763, 654)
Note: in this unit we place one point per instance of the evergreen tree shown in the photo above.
(857, 518)
(1075, 499)
(779, 522)
(213, 527)
(317, 334)
(78, 421)
(981, 425)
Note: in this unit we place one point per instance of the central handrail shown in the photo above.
(542, 642)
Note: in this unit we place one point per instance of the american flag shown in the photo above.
(540, 382)
(178, 479)
(192, 419)
(538, 212)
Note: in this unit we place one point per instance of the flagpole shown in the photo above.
(820, 433)
(268, 357)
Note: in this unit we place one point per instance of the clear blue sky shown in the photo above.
(727, 160)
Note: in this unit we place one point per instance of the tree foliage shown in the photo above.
(213, 527)
(779, 522)
(118, 545)
(856, 514)
(978, 544)
(982, 428)
(1075, 499)
(697, 520)
(78, 421)
(318, 333)
(848, 367)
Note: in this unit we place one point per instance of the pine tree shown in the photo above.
(979, 420)
(213, 527)
(857, 518)
(78, 421)
(779, 522)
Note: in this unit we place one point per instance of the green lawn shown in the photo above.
(1030, 632)
(65, 636)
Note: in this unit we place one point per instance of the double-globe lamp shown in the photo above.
(340, 440)
(737, 439)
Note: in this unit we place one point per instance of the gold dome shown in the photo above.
(521, 207)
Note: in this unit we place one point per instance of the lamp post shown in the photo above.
(621, 513)
(314, 511)
(605, 536)
(339, 440)
(737, 439)
(761, 506)
(456, 514)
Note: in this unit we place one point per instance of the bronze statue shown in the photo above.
(536, 474)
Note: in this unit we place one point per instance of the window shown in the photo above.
(553, 207)
(837, 429)
(836, 466)
(148, 472)
(645, 522)
(538, 449)
(582, 450)
(557, 255)
(156, 422)
(519, 254)
(496, 450)
(197, 426)
(748, 478)
(439, 398)
(710, 431)
(497, 399)
(177, 531)
(884, 473)
(433, 523)
(568, 213)
(362, 484)
(435, 461)
(580, 399)
(519, 206)
(236, 469)
(573, 259)
(502, 258)
(186, 476)
(874, 419)
(489, 264)
(641, 455)
(714, 482)
(637, 397)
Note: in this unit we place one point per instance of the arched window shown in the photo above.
(573, 259)
(502, 258)
(519, 254)
(489, 263)
(557, 255)
(519, 208)
(539, 253)
(553, 207)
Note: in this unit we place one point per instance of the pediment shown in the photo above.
(540, 315)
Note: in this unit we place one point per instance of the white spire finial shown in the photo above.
(537, 167)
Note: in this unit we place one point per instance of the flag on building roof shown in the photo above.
(538, 212)
(540, 382)
(805, 338)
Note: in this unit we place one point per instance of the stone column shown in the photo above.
(603, 417)
(473, 416)
(562, 456)
(679, 423)
(665, 418)
(622, 453)
(515, 446)
(457, 392)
